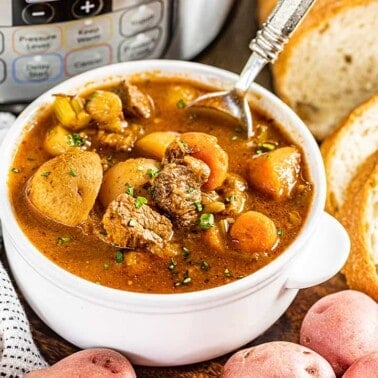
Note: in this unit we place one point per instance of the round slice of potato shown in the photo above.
(65, 188)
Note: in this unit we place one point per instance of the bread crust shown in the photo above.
(340, 141)
(318, 19)
(360, 269)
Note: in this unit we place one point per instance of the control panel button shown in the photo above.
(85, 59)
(140, 46)
(36, 14)
(141, 18)
(37, 68)
(86, 8)
(34, 40)
(3, 72)
(89, 32)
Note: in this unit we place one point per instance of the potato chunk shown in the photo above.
(154, 144)
(65, 188)
(276, 172)
(126, 176)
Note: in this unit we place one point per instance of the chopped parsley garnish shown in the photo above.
(185, 280)
(75, 140)
(16, 170)
(180, 104)
(153, 172)
(63, 240)
(72, 173)
(185, 252)
(190, 190)
(198, 206)
(172, 264)
(231, 198)
(45, 174)
(280, 232)
(129, 189)
(106, 266)
(119, 257)
(206, 221)
(227, 272)
(140, 201)
(265, 147)
(205, 265)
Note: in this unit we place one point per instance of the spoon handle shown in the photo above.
(271, 38)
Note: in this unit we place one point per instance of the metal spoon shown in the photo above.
(266, 46)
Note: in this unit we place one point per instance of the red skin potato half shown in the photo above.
(366, 367)
(277, 359)
(88, 363)
(342, 327)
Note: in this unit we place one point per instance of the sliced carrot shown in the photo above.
(206, 148)
(253, 232)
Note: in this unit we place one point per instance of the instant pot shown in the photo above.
(45, 42)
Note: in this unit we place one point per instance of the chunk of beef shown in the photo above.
(233, 190)
(177, 190)
(134, 102)
(128, 225)
(122, 142)
(176, 152)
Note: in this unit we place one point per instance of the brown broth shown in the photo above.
(95, 261)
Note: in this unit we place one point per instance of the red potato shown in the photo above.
(276, 172)
(366, 367)
(342, 327)
(88, 363)
(206, 148)
(277, 359)
(253, 232)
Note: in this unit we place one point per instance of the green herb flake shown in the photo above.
(119, 257)
(206, 221)
(185, 280)
(227, 272)
(75, 140)
(72, 173)
(129, 189)
(265, 147)
(181, 104)
(238, 129)
(153, 172)
(198, 206)
(106, 266)
(185, 252)
(45, 174)
(16, 170)
(172, 264)
(190, 190)
(132, 222)
(205, 265)
(280, 232)
(63, 240)
(230, 199)
(140, 201)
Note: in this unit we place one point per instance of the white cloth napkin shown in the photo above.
(18, 353)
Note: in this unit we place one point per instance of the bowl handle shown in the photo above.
(324, 256)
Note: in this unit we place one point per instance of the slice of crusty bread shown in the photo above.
(329, 65)
(359, 215)
(347, 148)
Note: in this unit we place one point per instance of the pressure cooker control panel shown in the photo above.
(45, 42)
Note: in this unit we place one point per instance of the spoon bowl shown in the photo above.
(268, 43)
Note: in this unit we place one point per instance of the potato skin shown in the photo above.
(99, 362)
(366, 367)
(277, 359)
(341, 327)
(65, 187)
(132, 172)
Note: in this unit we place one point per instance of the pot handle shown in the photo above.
(325, 255)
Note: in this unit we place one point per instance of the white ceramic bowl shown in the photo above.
(173, 329)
